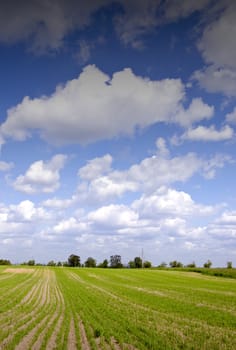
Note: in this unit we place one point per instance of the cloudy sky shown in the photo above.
(117, 130)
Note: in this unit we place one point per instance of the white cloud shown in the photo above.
(139, 177)
(44, 24)
(162, 150)
(166, 170)
(231, 117)
(189, 245)
(59, 203)
(176, 9)
(167, 201)
(218, 161)
(140, 18)
(218, 49)
(96, 167)
(70, 225)
(218, 40)
(101, 185)
(197, 111)
(84, 52)
(4, 166)
(95, 107)
(113, 215)
(41, 176)
(228, 218)
(217, 79)
(27, 211)
(202, 133)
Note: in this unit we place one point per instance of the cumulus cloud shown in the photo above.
(70, 225)
(26, 211)
(5, 166)
(94, 107)
(44, 24)
(140, 18)
(217, 43)
(96, 167)
(202, 133)
(217, 79)
(113, 216)
(211, 165)
(197, 111)
(41, 176)
(231, 117)
(168, 201)
(139, 177)
(218, 49)
(228, 218)
(100, 183)
(176, 9)
(19, 222)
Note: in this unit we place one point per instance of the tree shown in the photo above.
(115, 261)
(175, 264)
(104, 264)
(90, 262)
(207, 265)
(163, 264)
(74, 260)
(31, 262)
(5, 262)
(131, 264)
(138, 263)
(191, 265)
(147, 264)
(51, 263)
(229, 265)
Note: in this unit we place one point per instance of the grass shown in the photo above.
(219, 271)
(116, 309)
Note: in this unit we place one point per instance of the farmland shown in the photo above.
(79, 308)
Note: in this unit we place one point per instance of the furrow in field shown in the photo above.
(165, 322)
(44, 300)
(54, 295)
(25, 319)
(52, 342)
(26, 342)
(17, 310)
(72, 341)
(102, 344)
(19, 289)
(93, 286)
(83, 337)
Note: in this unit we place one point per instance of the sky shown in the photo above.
(117, 130)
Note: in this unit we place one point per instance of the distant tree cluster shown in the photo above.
(137, 263)
(74, 261)
(5, 262)
(175, 263)
(207, 264)
(115, 262)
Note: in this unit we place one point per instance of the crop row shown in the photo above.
(95, 309)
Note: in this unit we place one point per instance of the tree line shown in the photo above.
(115, 262)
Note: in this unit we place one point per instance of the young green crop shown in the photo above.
(82, 308)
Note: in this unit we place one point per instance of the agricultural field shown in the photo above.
(79, 308)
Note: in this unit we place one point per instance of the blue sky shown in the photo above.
(117, 130)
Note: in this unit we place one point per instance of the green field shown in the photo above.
(79, 308)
